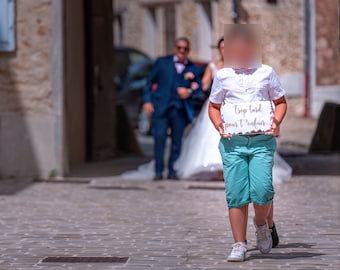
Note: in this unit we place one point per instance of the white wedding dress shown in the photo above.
(200, 157)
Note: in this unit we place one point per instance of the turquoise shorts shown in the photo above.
(247, 168)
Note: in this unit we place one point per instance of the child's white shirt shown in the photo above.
(230, 86)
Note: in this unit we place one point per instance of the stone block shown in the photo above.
(327, 135)
(27, 145)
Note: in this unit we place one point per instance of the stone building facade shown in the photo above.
(47, 86)
(300, 38)
(147, 25)
(26, 110)
(327, 42)
(324, 54)
(56, 90)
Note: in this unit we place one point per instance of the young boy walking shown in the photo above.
(247, 159)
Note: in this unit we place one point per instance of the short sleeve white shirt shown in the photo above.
(230, 86)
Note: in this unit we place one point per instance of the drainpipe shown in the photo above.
(307, 60)
(234, 13)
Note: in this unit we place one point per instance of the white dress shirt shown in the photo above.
(178, 65)
(230, 86)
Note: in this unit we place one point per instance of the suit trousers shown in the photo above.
(176, 120)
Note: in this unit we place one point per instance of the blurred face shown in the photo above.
(181, 50)
(242, 52)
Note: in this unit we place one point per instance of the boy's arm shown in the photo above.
(215, 117)
(280, 110)
(279, 114)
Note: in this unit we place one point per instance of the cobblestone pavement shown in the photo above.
(167, 225)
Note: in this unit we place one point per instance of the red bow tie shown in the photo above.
(181, 62)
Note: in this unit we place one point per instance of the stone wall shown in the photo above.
(25, 74)
(283, 39)
(325, 83)
(283, 33)
(26, 115)
(327, 42)
(133, 24)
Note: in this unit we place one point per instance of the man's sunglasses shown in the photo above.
(179, 48)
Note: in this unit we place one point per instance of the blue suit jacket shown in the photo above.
(162, 83)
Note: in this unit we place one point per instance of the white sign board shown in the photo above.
(247, 118)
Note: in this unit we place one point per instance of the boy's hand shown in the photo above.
(274, 130)
(220, 129)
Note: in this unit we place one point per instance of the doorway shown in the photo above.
(100, 94)
(90, 119)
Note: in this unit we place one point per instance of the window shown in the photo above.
(205, 29)
(170, 27)
(150, 31)
(7, 31)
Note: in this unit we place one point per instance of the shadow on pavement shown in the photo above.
(108, 168)
(296, 245)
(284, 256)
(14, 186)
(289, 245)
(287, 255)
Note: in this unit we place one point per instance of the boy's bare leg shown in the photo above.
(271, 216)
(238, 220)
(261, 213)
(275, 236)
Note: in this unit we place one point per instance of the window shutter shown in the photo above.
(7, 31)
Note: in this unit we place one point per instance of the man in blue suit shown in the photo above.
(168, 97)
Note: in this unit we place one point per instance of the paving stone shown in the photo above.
(171, 227)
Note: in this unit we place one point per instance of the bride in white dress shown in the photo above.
(200, 158)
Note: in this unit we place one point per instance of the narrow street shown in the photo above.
(166, 225)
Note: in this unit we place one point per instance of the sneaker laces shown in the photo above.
(262, 232)
(238, 247)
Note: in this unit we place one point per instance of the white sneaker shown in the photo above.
(263, 237)
(238, 252)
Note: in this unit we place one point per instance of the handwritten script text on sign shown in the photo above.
(245, 118)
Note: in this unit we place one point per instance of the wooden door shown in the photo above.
(101, 124)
